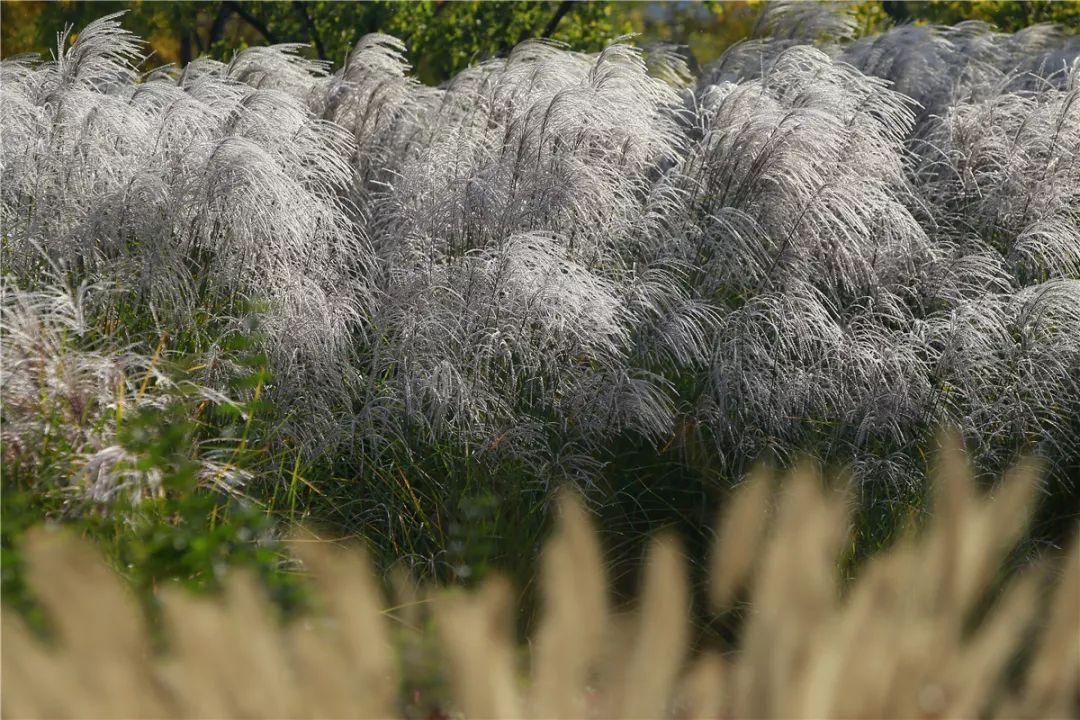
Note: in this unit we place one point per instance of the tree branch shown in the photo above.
(217, 29)
(896, 11)
(185, 49)
(553, 23)
(564, 7)
(252, 21)
(313, 33)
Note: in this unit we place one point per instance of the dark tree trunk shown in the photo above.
(549, 29)
(253, 21)
(217, 29)
(896, 10)
(313, 33)
(185, 48)
(560, 12)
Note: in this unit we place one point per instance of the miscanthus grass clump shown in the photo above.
(929, 628)
(555, 267)
(73, 395)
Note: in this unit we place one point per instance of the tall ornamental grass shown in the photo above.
(818, 244)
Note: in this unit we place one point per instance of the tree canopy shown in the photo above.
(444, 37)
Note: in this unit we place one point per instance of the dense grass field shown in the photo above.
(252, 299)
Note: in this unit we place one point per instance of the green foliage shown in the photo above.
(706, 28)
(190, 527)
(709, 28)
(442, 37)
(1005, 15)
(445, 37)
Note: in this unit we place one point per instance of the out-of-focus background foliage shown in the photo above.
(444, 37)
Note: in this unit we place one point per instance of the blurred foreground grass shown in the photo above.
(942, 624)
